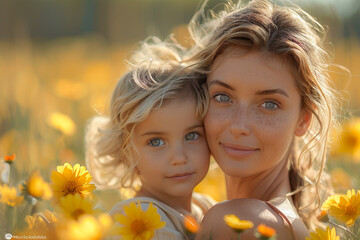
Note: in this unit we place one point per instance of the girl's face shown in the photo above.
(172, 149)
(254, 112)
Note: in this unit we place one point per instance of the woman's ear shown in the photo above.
(303, 124)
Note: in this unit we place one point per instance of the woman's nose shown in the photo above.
(239, 124)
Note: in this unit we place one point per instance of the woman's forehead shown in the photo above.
(271, 60)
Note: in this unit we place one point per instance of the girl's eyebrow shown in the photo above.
(201, 125)
(218, 82)
(272, 91)
(153, 133)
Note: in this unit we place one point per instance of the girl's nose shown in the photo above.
(179, 155)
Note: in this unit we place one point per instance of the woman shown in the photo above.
(270, 113)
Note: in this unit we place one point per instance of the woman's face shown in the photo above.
(254, 112)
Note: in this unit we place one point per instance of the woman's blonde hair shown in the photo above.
(297, 38)
(110, 154)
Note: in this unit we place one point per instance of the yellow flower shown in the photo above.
(322, 216)
(347, 210)
(138, 224)
(62, 123)
(331, 201)
(41, 220)
(191, 224)
(37, 187)
(348, 141)
(328, 234)
(71, 180)
(9, 196)
(41, 224)
(74, 206)
(87, 227)
(265, 231)
(9, 158)
(235, 223)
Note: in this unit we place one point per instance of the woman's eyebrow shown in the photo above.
(218, 82)
(272, 91)
(262, 92)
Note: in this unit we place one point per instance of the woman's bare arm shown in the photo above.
(214, 227)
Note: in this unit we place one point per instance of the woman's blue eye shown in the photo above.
(156, 142)
(191, 136)
(222, 98)
(270, 105)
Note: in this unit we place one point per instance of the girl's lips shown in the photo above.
(180, 176)
(237, 150)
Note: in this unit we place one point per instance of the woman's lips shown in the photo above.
(238, 150)
(180, 176)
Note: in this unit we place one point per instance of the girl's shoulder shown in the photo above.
(254, 210)
(167, 213)
(203, 201)
(119, 206)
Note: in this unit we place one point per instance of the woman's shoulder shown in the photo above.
(248, 206)
(244, 208)
(254, 210)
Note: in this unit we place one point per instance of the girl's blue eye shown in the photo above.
(192, 136)
(156, 142)
(270, 105)
(222, 97)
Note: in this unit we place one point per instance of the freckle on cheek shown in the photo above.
(270, 122)
(220, 115)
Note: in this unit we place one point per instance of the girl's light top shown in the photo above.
(174, 228)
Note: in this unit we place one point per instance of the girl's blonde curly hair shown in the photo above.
(155, 76)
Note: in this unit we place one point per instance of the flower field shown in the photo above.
(49, 91)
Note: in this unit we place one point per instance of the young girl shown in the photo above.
(155, 134)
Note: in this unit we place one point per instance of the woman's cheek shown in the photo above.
(213, 121)
(217, 115)
(276, 129)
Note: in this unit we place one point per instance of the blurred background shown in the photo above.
(59, 61)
